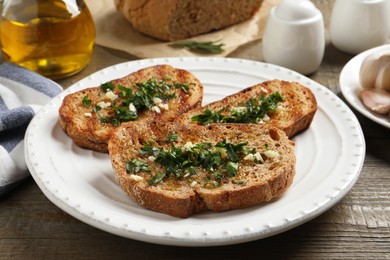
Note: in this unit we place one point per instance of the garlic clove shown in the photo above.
(375, 71)
(376, 100)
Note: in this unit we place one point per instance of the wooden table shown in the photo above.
(31, 227)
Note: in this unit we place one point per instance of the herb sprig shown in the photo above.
(206, 46)
(251, 111)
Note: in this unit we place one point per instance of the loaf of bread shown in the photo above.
(289, 106)
(181, 169)
(173, 20)
(155, 93)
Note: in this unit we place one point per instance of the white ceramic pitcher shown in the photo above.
(294, 36)
(359, 25)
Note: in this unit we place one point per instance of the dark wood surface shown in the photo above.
(358, 227)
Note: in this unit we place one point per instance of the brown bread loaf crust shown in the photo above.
(254, 183)
(179, 19)
(88, 131)
(295, 112)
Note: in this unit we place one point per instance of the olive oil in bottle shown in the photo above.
(52, 37)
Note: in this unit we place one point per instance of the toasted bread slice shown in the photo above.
(293, 114)
(181, 169)
(158, 93)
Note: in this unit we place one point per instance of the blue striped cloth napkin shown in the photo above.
(22, 94)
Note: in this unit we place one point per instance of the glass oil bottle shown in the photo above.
(52, 37)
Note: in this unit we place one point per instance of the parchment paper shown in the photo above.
(114, 31)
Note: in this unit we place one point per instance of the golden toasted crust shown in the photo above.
(254, 183)
(179, 19)
(88, 131)
(294, 114)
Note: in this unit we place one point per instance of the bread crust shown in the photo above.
(172, 20)
(177, 197)
(88, 131)
(295, 114)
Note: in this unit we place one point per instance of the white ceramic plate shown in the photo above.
(330, 156)
(350, 85)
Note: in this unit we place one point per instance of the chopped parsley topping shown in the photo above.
(126, 103)
(252, 111)
(220, 161)
(120, 114)
(137, 166)
(86, 101)
(108, 86)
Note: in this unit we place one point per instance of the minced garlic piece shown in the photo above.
(132, 108)
(88, 114)
(111, 95)
(266, 118)
(164, 106)
(157, 101)
(103, 104)
(279, 109)
(151, 158)
(137, 177)
(260, 121)
(253, 157)
(156, 109)
(271, 154)
(249, 157)
(258, 157)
